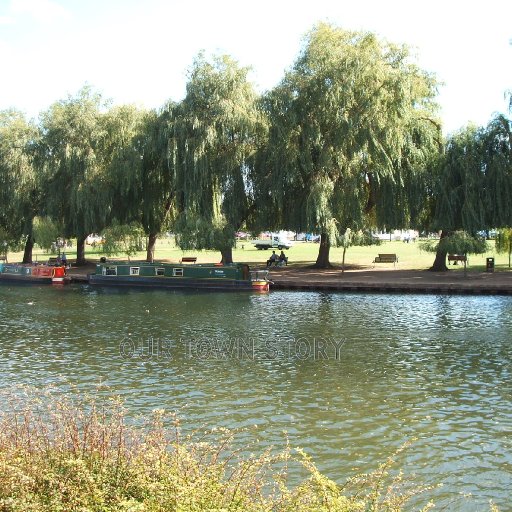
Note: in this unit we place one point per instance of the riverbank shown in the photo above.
(378, 280)
(393, 281)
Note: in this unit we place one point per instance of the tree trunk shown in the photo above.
(227, 256)
(27, 253)
(80, 251)
(322, 261)
(440, 261)
(150, 255)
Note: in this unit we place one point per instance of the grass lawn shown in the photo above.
(410, 256)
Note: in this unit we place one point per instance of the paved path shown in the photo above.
(412, 281)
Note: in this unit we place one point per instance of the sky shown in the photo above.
(138, 51)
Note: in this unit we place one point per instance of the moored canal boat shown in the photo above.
(210, 276)
(33, 273)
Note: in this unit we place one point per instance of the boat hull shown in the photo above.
(189, 283)
(178, 276)
(33, 274)
(25, 279)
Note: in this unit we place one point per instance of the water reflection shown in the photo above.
(435, 368)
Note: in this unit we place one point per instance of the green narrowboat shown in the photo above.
(211, 276)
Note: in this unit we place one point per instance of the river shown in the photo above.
(349, 377)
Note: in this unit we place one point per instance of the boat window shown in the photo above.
(159, 271)
(110, 271)
(177, 272)
(134, 271)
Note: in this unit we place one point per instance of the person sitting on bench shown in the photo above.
(273, 259)
(283, 260)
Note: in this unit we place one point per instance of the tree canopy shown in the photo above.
(70, 159)
(346, 125)
(20, 194)
(215, 133)
(347, 141)
(472, 182)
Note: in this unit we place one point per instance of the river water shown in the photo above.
(349, 377)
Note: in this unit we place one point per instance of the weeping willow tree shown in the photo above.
(473, 183)
(497, 154)
(134, 150)
(342, 129)
(70, 159)
(20, 196)
(457, 242)
(158, 178)
(458, 190)
(215, 133)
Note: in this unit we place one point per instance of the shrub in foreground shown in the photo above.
(58, 455)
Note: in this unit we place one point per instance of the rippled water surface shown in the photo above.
(350, 377)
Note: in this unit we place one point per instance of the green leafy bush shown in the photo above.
(61, 455)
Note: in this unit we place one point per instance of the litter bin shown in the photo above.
(490, 265)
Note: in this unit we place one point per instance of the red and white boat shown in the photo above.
(33, 273)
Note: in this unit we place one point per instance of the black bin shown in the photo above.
(489, 264)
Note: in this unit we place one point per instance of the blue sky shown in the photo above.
(138, 51)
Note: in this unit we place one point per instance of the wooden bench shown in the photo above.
(189, 259)
(54, 262)
(386, 258)
(3, 257)
(457, 257)
(277, 263)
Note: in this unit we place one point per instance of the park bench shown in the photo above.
(282, 262)
(53, 262)
(3, 257)
(457, 257)
(189, 259)
(386, 258)
(279, 263)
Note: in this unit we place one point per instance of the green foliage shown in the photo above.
(473, 180)
(20, 194)
(350, 238)
(360, 238)
(156, 181)
(348, 139)
(497, 155)
(123, 239)
(503, 242)
(4, 242)
(62, 455)
(352, 123)
(194, 232)
(9, 243)
(460, 189)
(213, 136)
(120, 150)
(458, 242)
(46, 232)
(71, 160)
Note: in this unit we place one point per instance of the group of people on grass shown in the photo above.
(277, 260)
